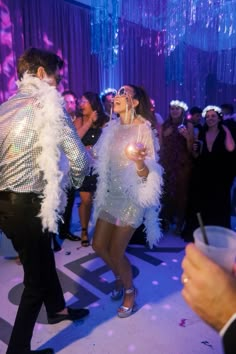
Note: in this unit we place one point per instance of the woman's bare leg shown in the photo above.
(110, 242)
(102, 236)
(85, 213)
(119, 242)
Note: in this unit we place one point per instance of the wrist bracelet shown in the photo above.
(140, 169)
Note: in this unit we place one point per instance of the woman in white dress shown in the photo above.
(128, 189)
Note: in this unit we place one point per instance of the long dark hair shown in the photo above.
(144, 106)
(97, 106)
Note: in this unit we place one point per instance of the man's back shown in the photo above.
(35, 134)
(18, 152)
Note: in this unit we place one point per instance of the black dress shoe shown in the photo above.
(73, 315)
(69, 236)
(57, 248)
(43, 351)
(56, 245)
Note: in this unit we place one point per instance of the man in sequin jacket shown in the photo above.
(35, 134)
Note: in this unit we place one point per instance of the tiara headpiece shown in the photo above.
(211, 108)
(108, 91)
(178, 103)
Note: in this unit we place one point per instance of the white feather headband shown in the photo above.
(211, 108)
(178, 103)
(107, 91)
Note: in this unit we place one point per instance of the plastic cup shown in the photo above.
(222, 245)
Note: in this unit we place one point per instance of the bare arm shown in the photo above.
(229, 141)
(187, 133)
(81, 127)
(160, 132)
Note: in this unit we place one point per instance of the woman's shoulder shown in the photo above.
(78, 122)
(167, 123)
(146, 124)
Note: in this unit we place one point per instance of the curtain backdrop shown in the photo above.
(188, 74)
(50, 24)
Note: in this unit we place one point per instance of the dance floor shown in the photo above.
(163, 324)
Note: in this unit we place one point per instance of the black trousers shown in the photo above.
(19, 221)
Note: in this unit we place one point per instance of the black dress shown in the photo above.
(210, 186)
(229, 339)
(90, 139)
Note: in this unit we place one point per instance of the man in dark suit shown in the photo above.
(211, 292)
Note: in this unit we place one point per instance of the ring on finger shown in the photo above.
(185, 279)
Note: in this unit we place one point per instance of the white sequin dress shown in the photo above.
(121, 196)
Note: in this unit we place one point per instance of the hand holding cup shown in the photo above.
(183, 130)
(136, 151)
(221, 247)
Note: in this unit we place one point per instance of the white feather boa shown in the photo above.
(48, 124)
(144, 192)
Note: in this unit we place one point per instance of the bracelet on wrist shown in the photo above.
(140, 169)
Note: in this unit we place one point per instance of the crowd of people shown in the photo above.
(198, 155)
(128, 165)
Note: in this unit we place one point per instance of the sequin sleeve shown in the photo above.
(75, 152)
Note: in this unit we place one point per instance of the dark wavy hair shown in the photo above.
(33, 58)
(144, 106)
(97, 106)
(69, 92)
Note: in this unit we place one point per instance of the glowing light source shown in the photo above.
(205, 24)
(104, 30)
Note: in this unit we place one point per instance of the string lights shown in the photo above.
(104, 30)
(209, 25)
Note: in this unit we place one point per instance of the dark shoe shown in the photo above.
(56, 245)
(73, 315)
(69, 236)
(43, 351)
(165, 225)
(57, 248)
(84, 238)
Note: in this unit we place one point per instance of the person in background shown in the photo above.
(71, 104)
(89, 128)
(195, 117)
(71, 107)
(157, 116)
(107, 97)
(228, 111)
(175, 156)
(213, 174)
(35, 131)
(229, 118)
(128, 190)
(211, 292)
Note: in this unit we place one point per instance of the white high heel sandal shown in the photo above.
(124, 311)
